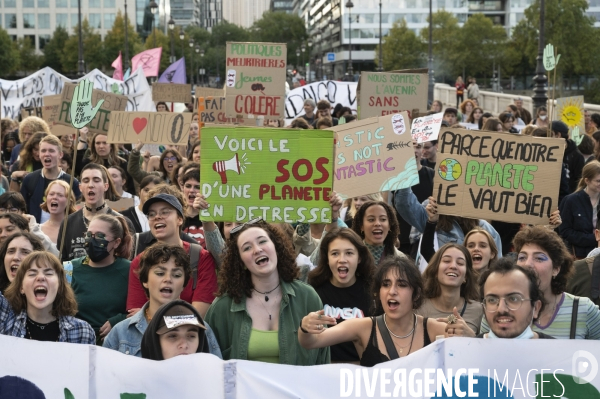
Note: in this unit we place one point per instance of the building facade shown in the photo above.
(211, 13)
(244, 12)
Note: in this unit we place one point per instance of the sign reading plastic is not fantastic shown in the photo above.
(280, 175)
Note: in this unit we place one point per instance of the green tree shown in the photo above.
(518, 60)
(163, 41)
(280, 27)
(402, 48)
(54, 49)
(115, 41)
(228, 32)
(480, 44)
(9, 56)
(29, 61)
(93, 49)
(444, 44)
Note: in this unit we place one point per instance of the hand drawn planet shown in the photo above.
(450, 169)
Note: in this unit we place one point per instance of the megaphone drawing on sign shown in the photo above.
(221, 167)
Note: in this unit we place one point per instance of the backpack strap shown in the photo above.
(194, 260)
(574, 317)
(68, 267)
(135, 245)
(387, 339)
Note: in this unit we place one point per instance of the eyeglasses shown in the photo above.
(9, 210)
(240, 226)
(163, 214)
(171, 159)
(513, 302)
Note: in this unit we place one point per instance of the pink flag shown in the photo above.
(149, 60)
(118, 65)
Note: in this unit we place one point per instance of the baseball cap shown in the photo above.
(560, 127)
(176, 316)
(451, 111)
(168, 198)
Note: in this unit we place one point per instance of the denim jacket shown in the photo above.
(126, 336)
(415, 214)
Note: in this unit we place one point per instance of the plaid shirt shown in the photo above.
(71, 329)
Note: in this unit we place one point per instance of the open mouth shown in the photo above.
(263, 260)
(452, 274)
(13, 270)
(166, 292)
(40, 293)
(393, 304)
(91, 194)
(342, 271)
(191, 198)
(476, 257)
(378, 234)
(47, 161)
(503, 320)
(53, 205)
(160, 226)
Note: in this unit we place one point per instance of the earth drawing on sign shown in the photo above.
(450, 169)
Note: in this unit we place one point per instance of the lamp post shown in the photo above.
(191, 42)
(310, 43)
(153, 10)
(182, 38)
(380, 68)
(197, 49)
(171, 29)
(202, 66)
(331, 26)
(430, 58)
(126, 63)
(319, 69)
(303, 48)
(297, 58)
(349, 6)
(80, 61)
(540, 98)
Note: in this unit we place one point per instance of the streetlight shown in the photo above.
(191, 43)
(380, 69)
(153, 10)
(540, 98)
(126, 63)
(81, 62)
(303, 48)
(197, 49)
(349, 6)
(331, 26)
(297, 57)
(430, 58)
(310, 43)
(202, 65)
(171, 25)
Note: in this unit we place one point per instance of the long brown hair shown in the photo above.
(113, 158)
(390, 240)
(119, 229)
(36, 244)
(432, 288)
(366, 264)
(64, 304)
(407, 270)
(26, 154)
(161, 166)
(446, 223)
(590, 170)
(235, 279)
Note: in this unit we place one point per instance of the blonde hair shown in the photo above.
(34, 124)
(589, 171)
(371, 197)
(71, 196)
(52, 140)
(528, 130)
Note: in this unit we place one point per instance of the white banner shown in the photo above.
(451, 368)
(28, 92)
(335, 92)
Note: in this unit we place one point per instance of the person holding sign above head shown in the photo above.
(167, 163)
(35, 183)
(566, 316)
(343, 280)
(96, 188)
(40, 305)
(260, 301)
(164, 272)
(512, 301)
(395, 331)
(165, 215)
(579, 212)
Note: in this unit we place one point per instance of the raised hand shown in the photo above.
(576, 136)
(456, 325)
(81, 104)
(550, 59)
(432, 211)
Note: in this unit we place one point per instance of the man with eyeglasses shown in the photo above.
(512, 301)
(165, 216)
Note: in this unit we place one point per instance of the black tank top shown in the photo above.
(372, 355)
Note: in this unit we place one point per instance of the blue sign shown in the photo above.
(330, 57)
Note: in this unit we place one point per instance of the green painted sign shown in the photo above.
(281, 175)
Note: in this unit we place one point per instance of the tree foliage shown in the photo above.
(93, 49)
(9, 56)
(445, 45)
(54, 48)
(115, 41)
(29, 61)
(403, 49)
(480, 45)
(280, 27)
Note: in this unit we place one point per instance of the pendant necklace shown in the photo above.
(263, 305)
(266, 293)
(405, 336)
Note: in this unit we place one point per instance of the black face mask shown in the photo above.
(96, 248)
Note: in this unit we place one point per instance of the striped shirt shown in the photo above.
(588, 320)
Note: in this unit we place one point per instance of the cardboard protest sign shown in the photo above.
(570, 110)
(384, 93)
(50, 112)
(374, 155)
(279, 174)
(212, 110)
(25, 112)
(426, 128)
(172, 92)
(101, 121)
(150, 127)
(208, 92)
(469, 126)
(121, 205)
(255, 81)
(498, 176)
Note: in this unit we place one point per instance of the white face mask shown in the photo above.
(543, 117)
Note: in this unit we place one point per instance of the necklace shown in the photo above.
(263, 305)
(266, 292)
(39, 325)
(97, 208)
(398, 336)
